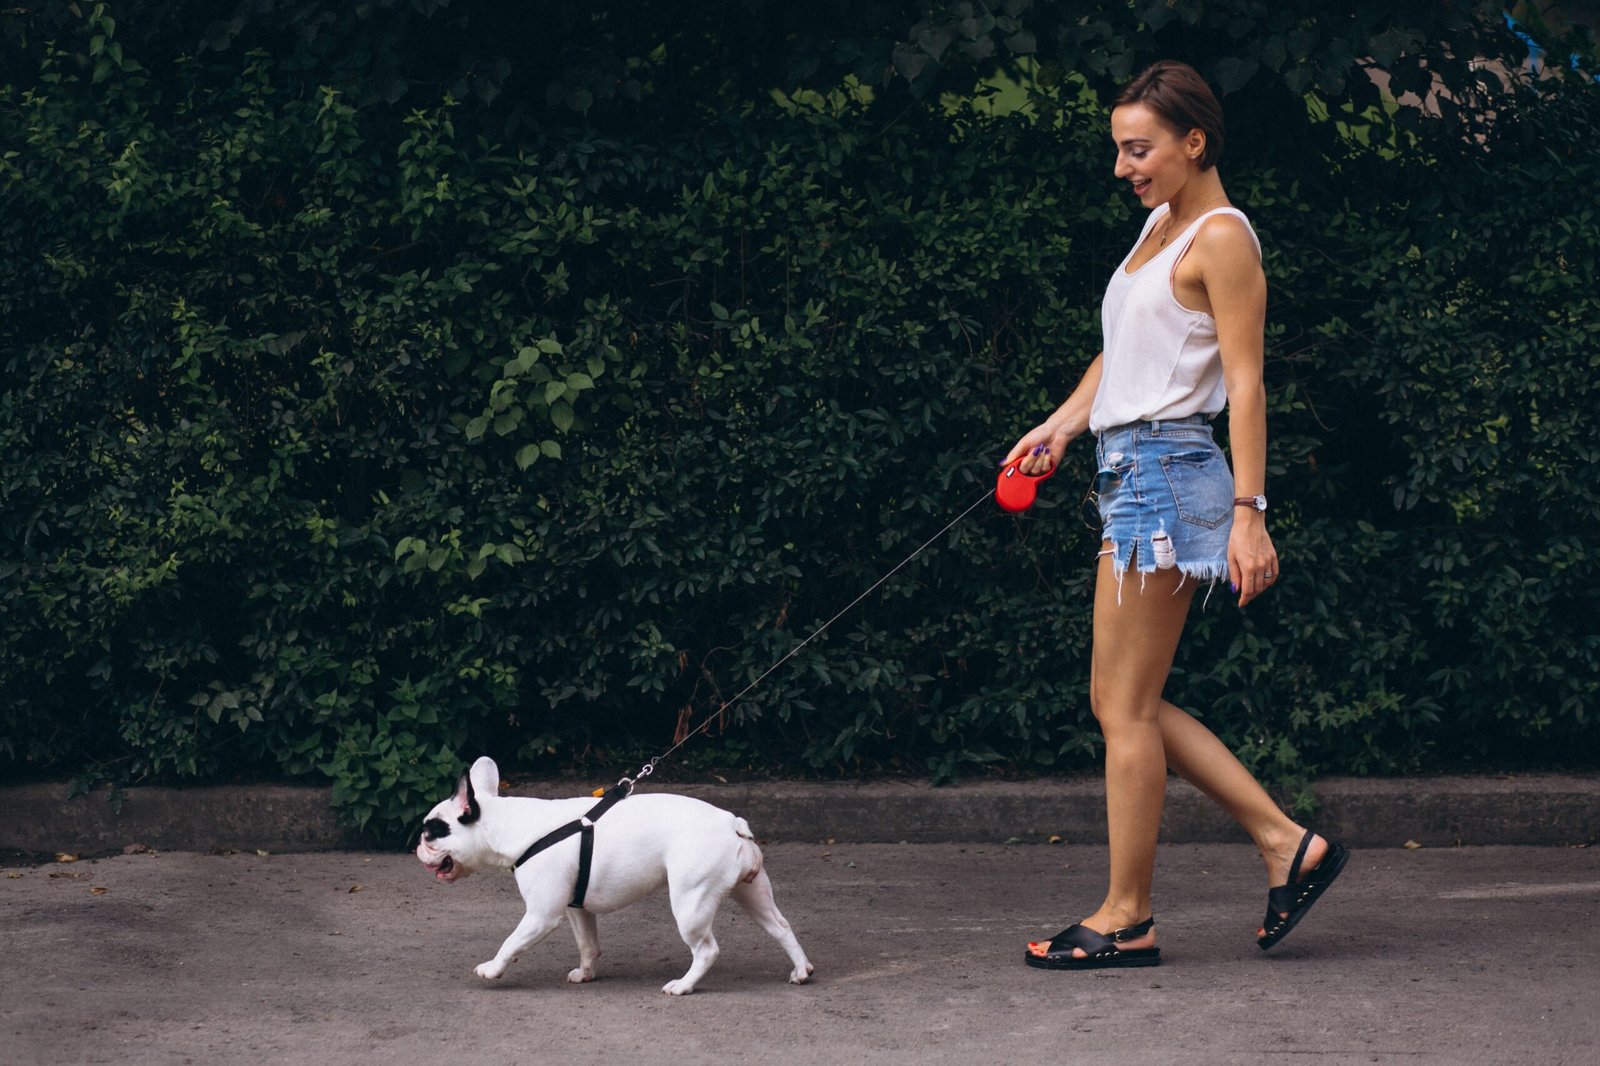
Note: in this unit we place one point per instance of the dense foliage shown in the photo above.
(386, 387)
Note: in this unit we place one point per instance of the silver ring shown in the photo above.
(1269, 575)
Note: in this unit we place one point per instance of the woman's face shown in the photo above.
(1156, 160)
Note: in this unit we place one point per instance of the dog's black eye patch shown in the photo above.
(434, 828)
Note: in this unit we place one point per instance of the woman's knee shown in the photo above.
(1116, 710)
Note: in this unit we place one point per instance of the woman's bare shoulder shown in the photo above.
(1225, 230)
(1225, 243)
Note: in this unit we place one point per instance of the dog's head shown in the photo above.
(454, 841)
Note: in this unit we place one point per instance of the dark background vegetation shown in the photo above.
(388, 382)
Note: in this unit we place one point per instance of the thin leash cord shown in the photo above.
(649, 767)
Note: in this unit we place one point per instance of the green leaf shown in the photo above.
(561, 415)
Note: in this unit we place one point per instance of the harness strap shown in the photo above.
(584, 826)
(580, 888)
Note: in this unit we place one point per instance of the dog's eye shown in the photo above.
(434, 828)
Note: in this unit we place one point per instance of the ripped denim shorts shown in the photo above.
(1165, 477)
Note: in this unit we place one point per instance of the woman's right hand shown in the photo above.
(1040, 448)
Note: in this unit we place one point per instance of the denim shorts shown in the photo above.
(1165, 477)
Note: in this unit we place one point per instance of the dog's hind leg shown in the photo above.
(755, 896)
(533, 928)
(586, 931)
(695, 909)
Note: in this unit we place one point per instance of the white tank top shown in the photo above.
(1161, 358)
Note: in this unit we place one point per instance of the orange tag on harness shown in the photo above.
(597, 793)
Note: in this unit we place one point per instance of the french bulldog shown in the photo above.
(700, 852)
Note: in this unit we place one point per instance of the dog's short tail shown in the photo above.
(749, 851)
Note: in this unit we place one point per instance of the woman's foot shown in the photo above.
(1106, 923)
(1279, 852)
(1084, 946)
(1307, 873)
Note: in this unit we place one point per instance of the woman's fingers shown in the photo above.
(1037, 455)
(1252, 573)
(1258, 578)
(1038, 460)
(1039, 450)
(1024, 447)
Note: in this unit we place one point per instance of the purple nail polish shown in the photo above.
(1234, 585)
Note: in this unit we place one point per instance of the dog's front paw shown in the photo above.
(491, 970)
(800, 977)
(579, 975)
(679, 987)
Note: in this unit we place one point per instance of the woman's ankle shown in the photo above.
(1119, 915)
(1279, 839)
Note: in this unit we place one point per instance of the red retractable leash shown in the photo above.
(1015, 491)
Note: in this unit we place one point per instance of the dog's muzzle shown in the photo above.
(443, 866)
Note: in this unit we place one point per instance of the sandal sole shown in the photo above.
(1121, 960)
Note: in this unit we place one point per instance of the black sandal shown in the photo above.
(1100, 950)
(1290, 901)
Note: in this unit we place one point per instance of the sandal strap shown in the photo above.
(1096, 944)
(1092, 943)
(1133, 932)
(1299, 857)
(1281, 898)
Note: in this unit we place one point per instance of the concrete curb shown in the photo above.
(1551, 809)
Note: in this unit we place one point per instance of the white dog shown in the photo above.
(700, 852)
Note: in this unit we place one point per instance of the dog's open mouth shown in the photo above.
(445, 869)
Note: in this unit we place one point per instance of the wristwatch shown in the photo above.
(1258, 502)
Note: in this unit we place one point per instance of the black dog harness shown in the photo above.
(585, 826)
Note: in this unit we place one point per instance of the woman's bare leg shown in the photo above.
(1134, 642)
(1195, 754)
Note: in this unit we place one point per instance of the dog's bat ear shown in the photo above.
(485, 777)
(468, 799)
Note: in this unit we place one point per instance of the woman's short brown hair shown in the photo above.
(1176, 92)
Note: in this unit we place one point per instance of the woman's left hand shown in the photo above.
(1252, 560)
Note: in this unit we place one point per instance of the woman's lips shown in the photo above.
(1141, 187)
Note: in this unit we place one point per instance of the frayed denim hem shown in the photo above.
(1211, 573)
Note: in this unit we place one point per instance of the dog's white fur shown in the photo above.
(700, 852)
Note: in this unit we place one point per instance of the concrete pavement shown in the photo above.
(1454, 955)
(247, 930)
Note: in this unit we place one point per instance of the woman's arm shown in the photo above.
(1230, 270)
(1068, 421)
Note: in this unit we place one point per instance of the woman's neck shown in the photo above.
(1194, 199)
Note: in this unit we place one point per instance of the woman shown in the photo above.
(1183, 321)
